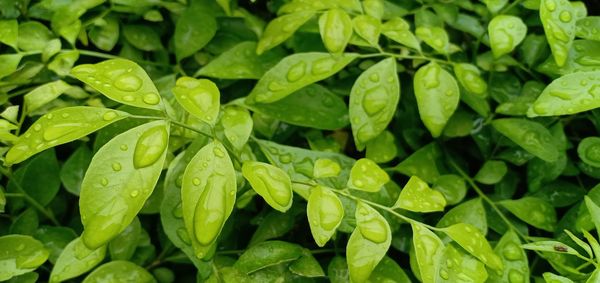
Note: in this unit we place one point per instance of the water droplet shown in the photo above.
(49, 116)
(134, 193)
(550, 5)
(128, 82)
(104, 182)
(128, 98)
(330, 212)
(37, 127)
(296, 72)
(277, 186)
(285, 158)
(565, 16)
(110, 115)
(375, 100)
(116, 166)
(123, 147)
(178, 211)
(515, 276)
(209, 216)
(150, 146)
(151, 98)
(218, 152)
(358, 183)
(431, 77)
(20, 247)
(323, 65)
(276, 86)
(444, 274)
(60, 130)
(196, 181)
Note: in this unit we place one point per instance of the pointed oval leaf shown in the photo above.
(373, 101)
(368, 28)
(474, 242)
(121, 80)
(237, 125)
(529, 135)
(114, 189)
(20, 254)
(436, 37)
(325, 212)
(469, 77)
(195, 27)
(559, 20)
(533, 211)
(569, 94)
(325, 167)
(397, 29)
(282, 28)
(270, 182)
(418, 197)
(59, 127)
(267, 254)
(199, 97)
(471, 212)
(367, 176)
(335, 27)
(76, 259)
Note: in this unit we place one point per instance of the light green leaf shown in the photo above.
(470, 78)
(124, 245)
(51, 49)
(208, 195)
(335, 27)
(121, 176)
(121, 80)
(124, 270)
(33, 36)
(76, 259)
(282, 28)
(437, 96)
(551, 247)
(588, 151)
(241, 62)
(20, 254)
(267, 254)
(558, 19)
(373, 101)
(199, 97)
(471, 212)
(429, 250)
(325, 212)
(105, 36)
(594, 211)
(418, 197)
(495, 5)
(533, 211)
(237, 125)
(422, 163)
(474, 242)
(506, 32)
(325, 167)
(307, 265)
(457, 266)
(368, 28)
(529, 135)
(436, 37)
(63, 62)
(270, 182)
(491, 172)
(59, 127)
(397, 29)
(513, 258)
(367, 176)
(587, 28)
(43, 94)
(553, 278)
(142, 37)
(295, 72)
(368, 244)
(374, 8)
(195, 27)
(9, 64)
(569, 94)
(9, 32)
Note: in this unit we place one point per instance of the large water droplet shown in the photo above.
(210, 211)
(128, 82)
(375, 230)
(134, 193)
(431, 77)
(375, 100)
(515, 276)
(331, 212)
(323, 65)
(296, 72)
(150, 146)
(218, 152)
(285, 158)
(178, 211)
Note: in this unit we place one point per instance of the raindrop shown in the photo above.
(151, 98)
(128, 82)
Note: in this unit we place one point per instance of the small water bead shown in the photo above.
(374, 78)
(515, 276)
(151, 98)
(218, 152)
(116, 166)
(550, 5)
(128, 98)
(134, 193)
(512, 252)
(104, 182)
(178, 211)
(37, 127)
(109, 116)
(375, 230)
(183, 235)
(323, 65)
(50, 116)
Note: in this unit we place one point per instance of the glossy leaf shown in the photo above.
(422, 163)
(307, 265)
(588, 28)
(491, 172)
(199, 97)
(20, 254)
(373, 101)
(270, 182)
(368, 28)
(9, 32)
(9, 64)
(267, 254)
(43, 94)
(470, 78)
(457, 266)
(506, 32)
(452, 186)
(73, 170)
(429, 250)
(529, 135)
(124, 270)
(553, 278)
(282, 28)
(59, 127)
(124, 245)
(388, 270)
(474, 242)
(335, 27)
(533, 211)
(142, 37)
(208, 195)
(237, 125)
(120, 80)
(195, 27)
(105, 36)
(558, 19)
(417, 196)
(437, 96)
(569, 94)
(325, 212)
(368, 244)
(297, 71)
(366, 175)
(398, 29)
(76, 259)
(120, 178)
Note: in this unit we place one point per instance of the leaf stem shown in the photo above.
(36, 204)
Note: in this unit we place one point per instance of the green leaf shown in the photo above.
(9, 32)
(398, 29)
(324, 212)
(470, 78)
(208, 195)
(474, 242)
(513, 258)
(121, 80)
(422, 163)
(457, 266)
(195, 27)
(452, 186)
(388, 271)
(272, 183)
(429, 250)
(568, 94)
(495, 5)
(470, 212)
(44, 94)
(368, 28)
(382, 148)
(267, 254)
(587, 28)
(506, 32)
(241, 62)
(367, 176)
(199, 97)
(55, 239)
(273, 225)
(373, 101)
(76, 259)
(123, 246)
(368, 244)
(437, 96)
(533, 211)
(38, 178)
(558, 19)
(436, 37)
(553, 278)
(529, 135)
(588, 151)
(9, 64)
(594, 211)
(295, 72)
(105, 36)
(121, 176)
(237, 125)
(59, 127)
(20, 254)
(337, 270)
(491, 172)
(73, 170)
(63, 62)
(33, 36)
(321, 108)
(124, 270)
(142, 37)
(335, 27)
(418, 197)
(583, 57)
(307, 265)
(282, 28)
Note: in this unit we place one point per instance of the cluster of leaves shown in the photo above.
(267, 141)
